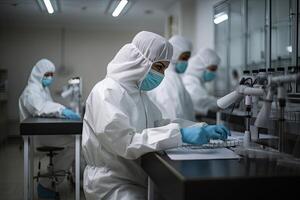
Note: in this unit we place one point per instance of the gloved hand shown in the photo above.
(202, 135)
(69, 114)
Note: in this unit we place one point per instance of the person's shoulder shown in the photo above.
(188, 78)
(107, 84)
(107, 88)
(31, 90)
(172, 76)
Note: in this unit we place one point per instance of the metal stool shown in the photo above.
(51, 174)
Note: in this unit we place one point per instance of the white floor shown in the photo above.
(11, 174)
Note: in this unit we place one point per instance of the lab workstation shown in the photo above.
(149, 99)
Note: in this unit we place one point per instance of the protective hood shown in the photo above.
(199, 62)
(133, 61)
(36, 100)
(180, 45)
(41, 67)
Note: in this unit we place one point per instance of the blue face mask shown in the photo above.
(209, 75)
(152, 80)
(181, 66)
(47, 81)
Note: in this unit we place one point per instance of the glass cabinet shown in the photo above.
(256, 34)
(281, 37)
(221, 45)
(229, 43)
(256, 54)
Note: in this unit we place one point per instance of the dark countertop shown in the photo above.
(50, 126)
(192, 179)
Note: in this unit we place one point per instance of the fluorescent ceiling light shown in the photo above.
(49, 6)
(119, 8)
(218, 18)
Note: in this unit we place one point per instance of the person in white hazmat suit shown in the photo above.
(171, 96)
(118, 125)
(36, 101)
(200, 73)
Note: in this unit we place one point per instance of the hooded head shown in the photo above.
(38, 71)
(180, 45)
(199, 63)
(134, 60)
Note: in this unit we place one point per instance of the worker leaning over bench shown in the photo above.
(36, 101)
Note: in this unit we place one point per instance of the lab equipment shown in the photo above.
(261, 78)
(152, 80)
(52, 174)
(271, 71)
(240, 92)
(73, 92)
(254, 72)
(264, 113)
(237, 94)
(276, 84)
(263, 116)
(280, 71)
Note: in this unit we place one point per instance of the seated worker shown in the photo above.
(202, 70)
(171, 96)
(36, 101)
(118, 125)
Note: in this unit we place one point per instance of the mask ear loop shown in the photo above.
(141, 80)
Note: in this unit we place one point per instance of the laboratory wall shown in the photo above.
(192, 19)
(85, 51)
(75, 52)
(204, 26)
(189, 19)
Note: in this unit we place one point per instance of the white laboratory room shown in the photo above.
(149, 99)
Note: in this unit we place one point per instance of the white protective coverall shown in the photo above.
(194, 83)
(119, 120)
(171, 96)
(36, 101)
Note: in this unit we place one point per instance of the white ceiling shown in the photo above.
(85, 13)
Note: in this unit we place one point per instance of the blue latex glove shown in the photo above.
(202, 135)
(69, 114)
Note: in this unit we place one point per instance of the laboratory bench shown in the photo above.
(242, 178)
(31, 127)
(236, 121)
